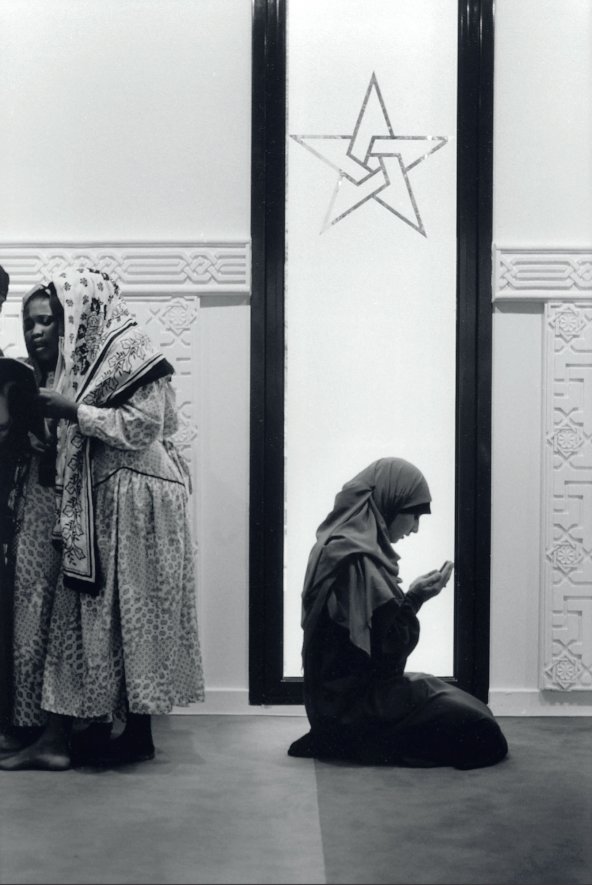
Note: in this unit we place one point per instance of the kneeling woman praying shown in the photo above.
(359, 629)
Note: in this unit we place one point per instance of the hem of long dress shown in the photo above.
(157, 709)
(30, 721)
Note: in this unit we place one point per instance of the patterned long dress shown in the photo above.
(137, 640)
(36, 576)
(36, 565)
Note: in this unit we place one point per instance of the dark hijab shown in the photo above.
(357, 527)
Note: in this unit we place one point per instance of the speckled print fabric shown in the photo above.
(136, 640)
(37, 569)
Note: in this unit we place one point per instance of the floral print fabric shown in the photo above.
(103, 355)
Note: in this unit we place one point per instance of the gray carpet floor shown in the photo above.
(223, 803)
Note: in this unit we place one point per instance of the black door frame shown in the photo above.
(267, 685)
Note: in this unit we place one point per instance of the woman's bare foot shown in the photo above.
(50, 752)
(37, 758)
(17, 737)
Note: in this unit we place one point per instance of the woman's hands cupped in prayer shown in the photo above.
(56, 405)
(427, 586)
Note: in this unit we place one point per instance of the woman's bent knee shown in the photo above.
(484, 744)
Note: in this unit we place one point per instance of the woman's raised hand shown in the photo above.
(56, 405)
(427, 586)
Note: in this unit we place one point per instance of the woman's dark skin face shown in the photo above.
(42, 332)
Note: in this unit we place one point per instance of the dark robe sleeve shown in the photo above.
(395, 632)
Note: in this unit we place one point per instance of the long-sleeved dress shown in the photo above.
(134, 644)
(366, 708)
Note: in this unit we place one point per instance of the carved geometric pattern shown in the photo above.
(141, 269)
(567, 440)
(540, 274)
(567, 498)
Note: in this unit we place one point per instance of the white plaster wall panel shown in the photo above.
(542, 221)
(543, 122)
(541, 640)
(516, 497)
(125, 119)
(567, 512)
(224, 502)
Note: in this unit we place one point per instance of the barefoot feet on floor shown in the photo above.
(36, 758)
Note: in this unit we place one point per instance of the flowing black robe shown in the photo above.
(366, 708)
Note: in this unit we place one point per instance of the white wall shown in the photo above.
(129, 120)
(542, 200)
(125, 119)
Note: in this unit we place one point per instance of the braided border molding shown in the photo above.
(541, 274)
(145, 269)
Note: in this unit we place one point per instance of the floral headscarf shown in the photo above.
(104, 358)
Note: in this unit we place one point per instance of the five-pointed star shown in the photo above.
(373, 163)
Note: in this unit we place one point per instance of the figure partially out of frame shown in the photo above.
(20, 422)
(359, 629)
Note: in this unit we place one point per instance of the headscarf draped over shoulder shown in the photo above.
(358, 527)
(104, 358)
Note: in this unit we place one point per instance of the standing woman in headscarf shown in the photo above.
(359, 629)
(123, 635)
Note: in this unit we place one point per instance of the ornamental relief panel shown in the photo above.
(541, 274)
(567, 501)
(141, 269)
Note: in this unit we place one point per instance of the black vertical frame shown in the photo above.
(473, 384)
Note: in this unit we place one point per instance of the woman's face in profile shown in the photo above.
(403, 524)
(42, 331)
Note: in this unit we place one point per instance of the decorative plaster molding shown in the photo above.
(567, 498)
(562, 280)
(142, 269)
(541, 274)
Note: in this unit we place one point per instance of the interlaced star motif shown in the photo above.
(373, 163)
